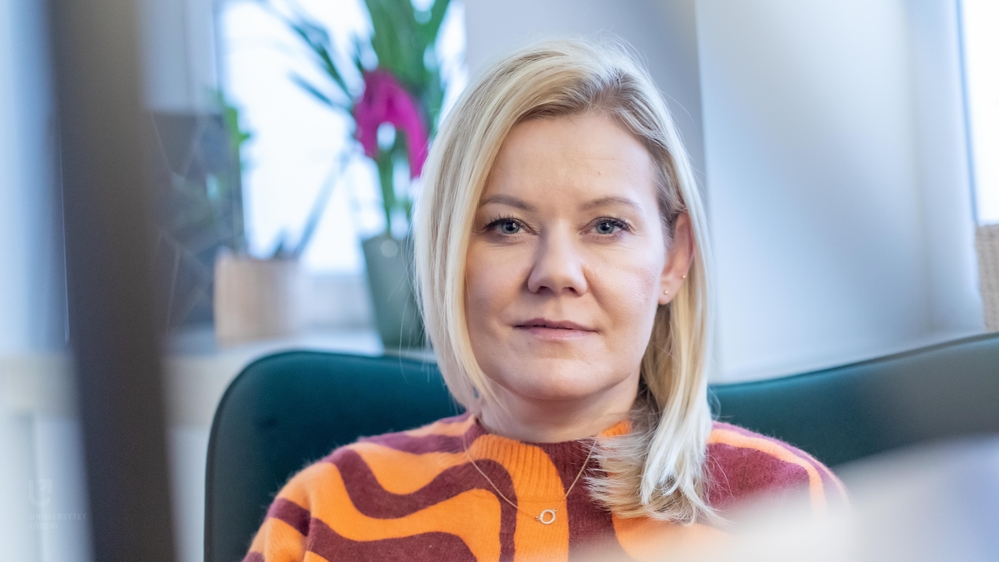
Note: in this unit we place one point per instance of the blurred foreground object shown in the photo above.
(987, 244)
(927, 503)
(95, 52)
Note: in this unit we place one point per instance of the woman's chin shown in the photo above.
(555, 393)
(549, 380)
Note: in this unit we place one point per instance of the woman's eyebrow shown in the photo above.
(611, 200)
(508, 200)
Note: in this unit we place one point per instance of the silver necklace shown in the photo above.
(546, 517)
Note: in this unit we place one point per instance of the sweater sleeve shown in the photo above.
(746, 466)
(284, 534)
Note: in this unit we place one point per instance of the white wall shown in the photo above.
(839, 213)
(831, 139)
(662, 30)
(955, 303)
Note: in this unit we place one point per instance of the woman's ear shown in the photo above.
(679, 257)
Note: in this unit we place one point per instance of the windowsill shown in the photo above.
(198, 371)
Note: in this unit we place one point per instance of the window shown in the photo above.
(979, 22)
(296, 140)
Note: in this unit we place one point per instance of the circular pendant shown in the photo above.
(547, 517)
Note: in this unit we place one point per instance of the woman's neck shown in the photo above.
(555, 420)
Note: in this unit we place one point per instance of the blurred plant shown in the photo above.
(234, 130)
(400, 85)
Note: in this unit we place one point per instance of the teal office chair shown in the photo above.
(287, 410)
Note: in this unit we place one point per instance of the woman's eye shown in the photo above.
(608, 226)
(506, 226)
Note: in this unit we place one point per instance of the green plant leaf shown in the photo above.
(432, 99)
(433, 25)
(385, 165)
(411, 40)
(382, 37)
(308, 87)
(395, 39)
(318, 41)
(358, 48)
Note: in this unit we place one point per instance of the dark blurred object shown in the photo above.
(199, 208)
(286, 410)
(95, 55)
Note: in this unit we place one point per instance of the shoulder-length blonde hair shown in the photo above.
(656, 470)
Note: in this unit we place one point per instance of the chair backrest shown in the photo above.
(289, 409)
(854, 411)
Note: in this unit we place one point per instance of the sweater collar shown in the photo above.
(543, 470)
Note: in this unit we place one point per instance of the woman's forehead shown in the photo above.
(580, 158)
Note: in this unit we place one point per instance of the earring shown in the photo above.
(684, 275)
(665, 292)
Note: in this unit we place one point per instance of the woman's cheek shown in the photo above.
(634, 276)
(476, 295)
(633, 298)
(487, 284)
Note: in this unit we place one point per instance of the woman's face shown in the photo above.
(567, 261)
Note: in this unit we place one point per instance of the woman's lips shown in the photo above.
(546, 329)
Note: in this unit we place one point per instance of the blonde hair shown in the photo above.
(657, 469)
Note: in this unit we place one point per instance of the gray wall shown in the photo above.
(662, 30)
(837, 183)
(942, 155)
(831, 143)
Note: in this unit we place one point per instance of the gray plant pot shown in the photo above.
(390, 282)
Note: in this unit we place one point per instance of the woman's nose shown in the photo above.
(558, 266)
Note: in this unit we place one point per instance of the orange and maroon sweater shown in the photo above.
(415, 495)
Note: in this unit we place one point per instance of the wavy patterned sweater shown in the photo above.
(415, 495)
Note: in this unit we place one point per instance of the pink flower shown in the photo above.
(386, 101)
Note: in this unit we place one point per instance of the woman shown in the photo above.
(563, 273)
